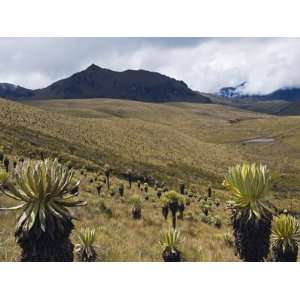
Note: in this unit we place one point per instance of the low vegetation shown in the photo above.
(138, 175)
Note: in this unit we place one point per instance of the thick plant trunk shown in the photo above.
(88, 257)
(136, 213)
(289, 255)
(174, 219)
(171, 255)
(181, 209)
(173, 206)
(39, 246)
(252, 237)
(182, 188)
(165, 211)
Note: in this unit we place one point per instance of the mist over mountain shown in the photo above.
(232, 91)
(238, 92)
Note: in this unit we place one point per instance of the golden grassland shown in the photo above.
(195, 143)
(121, 238)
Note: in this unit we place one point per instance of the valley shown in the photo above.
(172, 141)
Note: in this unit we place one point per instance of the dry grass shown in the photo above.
(121, 238)
(192, 142)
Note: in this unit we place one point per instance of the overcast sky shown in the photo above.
(205, 64)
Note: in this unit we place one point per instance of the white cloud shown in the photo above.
(204, 64)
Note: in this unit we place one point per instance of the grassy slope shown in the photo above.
(292, 109)
(195, 142)
(190, 141)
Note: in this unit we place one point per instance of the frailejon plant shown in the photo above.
(6, 164)
(107, 173)
(209, 192)
(170, 241)
(45, 223)
(285, 238)
(85, 248)
(164, 207)
(217, 221)
(251, 211)
(129, 176)
(121, 189)
(136, 203)
(182, 188)
(1, 156)
(159, 193)
(173, 201)
(146, 187)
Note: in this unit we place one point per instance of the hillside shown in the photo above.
(273, 107)
(280, 102)
(120, 132)
(292, 109)
(195, 143)
(96, 82)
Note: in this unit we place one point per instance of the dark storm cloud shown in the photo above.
(206, 64)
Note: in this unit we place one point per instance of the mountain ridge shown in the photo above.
(97, 82)
(290, 94)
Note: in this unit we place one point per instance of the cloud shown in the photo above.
(205, 64)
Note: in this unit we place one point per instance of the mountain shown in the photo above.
(287, 94)
(232, 91)
(97, 82)
(8, 90)
(237, 92)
